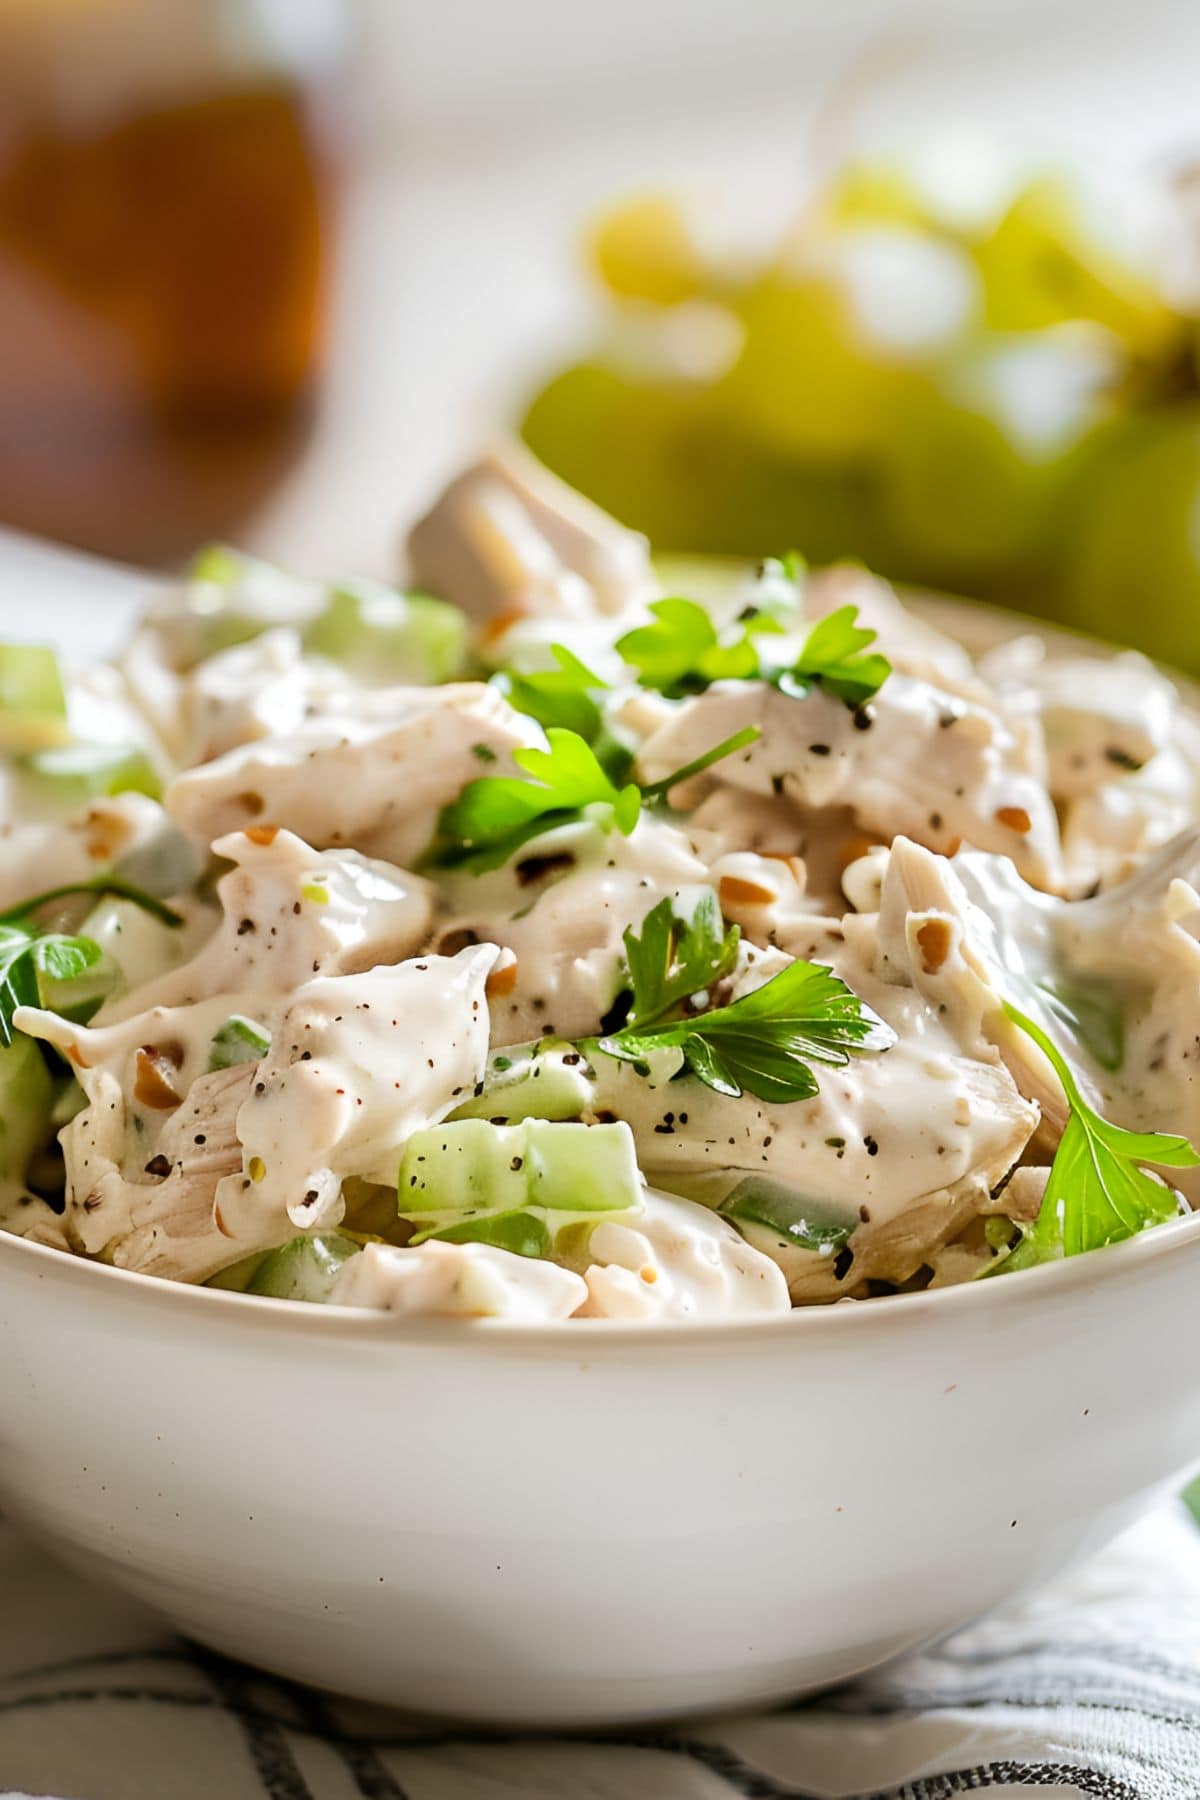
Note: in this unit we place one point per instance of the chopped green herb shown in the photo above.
(658, 790)
(1098, 1192)
(100, 885)
(562, 696)
(33, 961)
(681, 652)
(29, 961)
(81, 772)
(763, 1042)
(496, 815)
(33, 704)
(674, 958)
(835, 656)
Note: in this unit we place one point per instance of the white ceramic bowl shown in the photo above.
(592, 1522)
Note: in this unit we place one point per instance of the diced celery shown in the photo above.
(238, 1277)
(217, 564)
(305, 1269)
(26, 1103)
(544, 1081)
(73, 774)
(468, 1167)
(239, 1040)
(233, 598)
(795, 1217)
(404, 638)
(33, 705)
(522, 1233)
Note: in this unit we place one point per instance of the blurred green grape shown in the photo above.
(837, 337)
(958, 188)
(1046, 263)
(964, 378)
(973, 481)
(666, 460)
(644, 248)
(1133, 565)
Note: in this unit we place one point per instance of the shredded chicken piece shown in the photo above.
(942, 770)
(507, 537)
(378, 785)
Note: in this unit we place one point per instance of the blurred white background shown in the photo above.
(488, 133)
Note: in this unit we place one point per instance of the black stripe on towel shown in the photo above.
(266, 1740)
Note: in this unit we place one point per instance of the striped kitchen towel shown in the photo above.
(1089, 1688)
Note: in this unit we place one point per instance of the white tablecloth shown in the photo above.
(1090, 1688)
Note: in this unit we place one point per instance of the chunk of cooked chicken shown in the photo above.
(251, 691)
(179, 1169)
(376, 783)
(918, 760)
(473, 1281)
(1102, 717)
(356, 1064)
(562, 909)
(507, 537)
(1133, 952)
(289, 912)
(1109, 832)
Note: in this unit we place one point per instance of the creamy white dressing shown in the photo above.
(677, 1260)
(463, 1281)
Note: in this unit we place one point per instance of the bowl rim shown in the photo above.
(989, 627)
(1037, 1286)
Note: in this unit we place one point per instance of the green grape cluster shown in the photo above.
(974, 389)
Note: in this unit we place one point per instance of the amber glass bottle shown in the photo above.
(167, 169)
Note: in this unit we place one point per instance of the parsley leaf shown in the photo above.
(681, 651)
(32, 959)
(674, 958)
(763, 1042)
(835, 656)
(562, 696)
(28, 959)
(1097, 1193)
(496, 815)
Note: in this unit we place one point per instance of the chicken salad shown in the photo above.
(544, 942)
